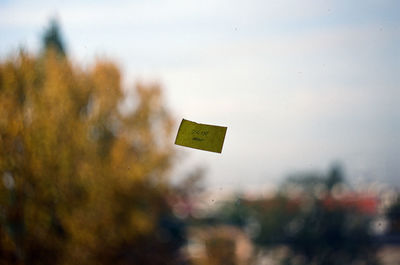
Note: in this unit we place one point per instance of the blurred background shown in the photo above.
(92, 94)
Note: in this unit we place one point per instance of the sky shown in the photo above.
(299, 84)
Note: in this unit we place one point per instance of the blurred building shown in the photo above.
(219, 245)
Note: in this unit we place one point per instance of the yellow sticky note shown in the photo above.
(201, 136)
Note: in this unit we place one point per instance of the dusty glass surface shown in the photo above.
(92, 94)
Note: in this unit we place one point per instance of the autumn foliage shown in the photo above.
(82, 182)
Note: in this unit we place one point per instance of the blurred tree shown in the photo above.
(82, 183)
(335, 177)
(52, 38)
(324, 230)
(393, 215)
(307, 217)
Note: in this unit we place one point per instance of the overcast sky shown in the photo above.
(299, 84)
